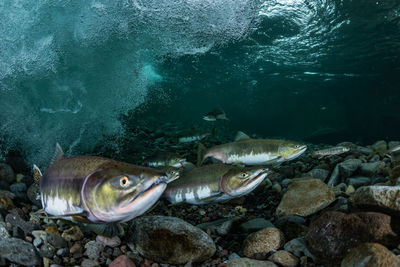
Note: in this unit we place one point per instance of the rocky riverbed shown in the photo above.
(334, 211)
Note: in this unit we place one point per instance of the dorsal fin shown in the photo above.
(241, 136)
(58, 154)
(37, 174)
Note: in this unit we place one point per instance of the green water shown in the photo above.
(318, 71)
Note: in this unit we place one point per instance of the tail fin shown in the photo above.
(201, 149)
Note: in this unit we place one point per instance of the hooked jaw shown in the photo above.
(249, 185)
(136, 206)
(298, 153)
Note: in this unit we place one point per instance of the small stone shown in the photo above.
(19, 251)
(76, 248)
(219, 227)
(62, 252)
(263, 242)
(52, 229)
(304, 197)
(56, 241)
(363, 150)
(358, 181)
(109, 241)
(233, 256)
(6, 173)
(19, 189)
(135, 257)
(72, 234)
(122, 261)
(284, 258)
(170, 240)
(242, 262)
(277, 187)
(343, 170)
(370, 255)
(321, 174)
(47, 250)
(46, 262)
(37, 242)
(380, 146)
(350, 190)
(292, 226)
(298, 247)
(372, 168)
(27, 227)
(255, 225)
(89, 263)
(3, 232)
(40, 234)
(93, 249)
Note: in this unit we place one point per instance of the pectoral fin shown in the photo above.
(107, 229)
(272, 161)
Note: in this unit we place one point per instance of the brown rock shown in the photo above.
(72, 234)
(304, 197)
(170, 240)
(263, 241)
(334, 233)
(122, 261)
(284, 258)
(370, 255)
(242, 262)
(377, 197)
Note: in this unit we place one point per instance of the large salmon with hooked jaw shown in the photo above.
(214, 183)
(253, 151)
(93, 189)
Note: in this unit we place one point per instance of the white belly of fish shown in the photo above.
(59, 206)
(252, 159)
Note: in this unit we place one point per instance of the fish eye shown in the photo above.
(124, 181)
(244, 174)
(297, 146)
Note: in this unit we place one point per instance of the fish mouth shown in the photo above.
(300, 151)
(142, 201)
(150, 186)
(251, 184)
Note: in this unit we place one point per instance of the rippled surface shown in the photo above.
(295, 68)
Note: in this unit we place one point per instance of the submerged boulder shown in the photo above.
(170, 240)
(304, 197)
(378, 197)
(370, 255)
(334, 233)
(19, 251)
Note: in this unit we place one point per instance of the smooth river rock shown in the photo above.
(170, 240)
(304, 197)
(334, 233)
(370, 255)
(19, 251)
(378, 197)
(246, 262)
(263, 242)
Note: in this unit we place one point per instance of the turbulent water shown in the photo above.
(313, 70)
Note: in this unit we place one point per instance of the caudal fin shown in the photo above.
(201, 149)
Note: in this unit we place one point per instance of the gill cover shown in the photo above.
(232, 180)
(104, 189)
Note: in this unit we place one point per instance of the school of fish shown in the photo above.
(97, 190)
